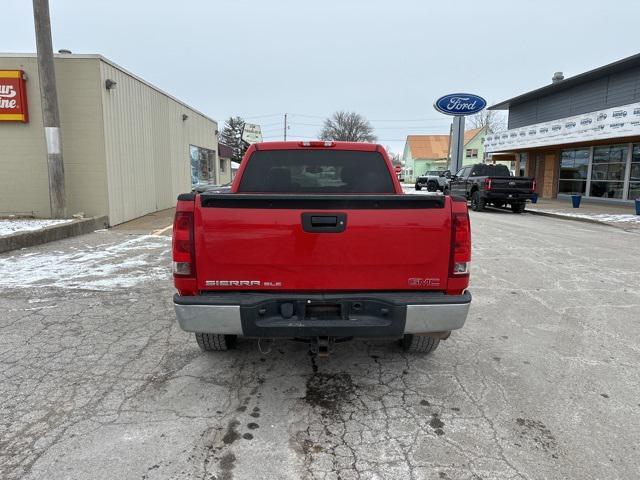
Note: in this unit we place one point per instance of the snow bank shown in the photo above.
(411, 189)
(9, 226)
(95, 267)
(598, 217)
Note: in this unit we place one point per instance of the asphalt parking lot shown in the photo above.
(97, 381)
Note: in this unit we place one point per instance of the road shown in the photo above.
(97, 381)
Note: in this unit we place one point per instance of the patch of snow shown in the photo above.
(411, 189)
(101, 267)
(10, 226)
(599, 217)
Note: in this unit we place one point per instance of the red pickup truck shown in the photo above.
(316, 241)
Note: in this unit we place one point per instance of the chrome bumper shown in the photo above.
(222, 319)
(435, 318)
(419, 319)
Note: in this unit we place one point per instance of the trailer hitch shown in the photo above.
(320, 346)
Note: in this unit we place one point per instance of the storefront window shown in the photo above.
(607, 172)
(203, 163)
(634, 176)
(574, 165)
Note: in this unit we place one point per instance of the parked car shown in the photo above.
(299, 248)
(434, 180)
(487, 184)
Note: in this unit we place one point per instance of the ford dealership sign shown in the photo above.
(460, 104)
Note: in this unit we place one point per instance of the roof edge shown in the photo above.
(568, 82)
(104, 59)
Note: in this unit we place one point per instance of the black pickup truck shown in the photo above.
(487, 184)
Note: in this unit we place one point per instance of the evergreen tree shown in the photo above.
(232, 136)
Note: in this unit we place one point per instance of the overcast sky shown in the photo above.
(387, 60)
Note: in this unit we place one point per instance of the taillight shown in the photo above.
(487, 184)
(460, 244)
(533, 186)
(183, 245)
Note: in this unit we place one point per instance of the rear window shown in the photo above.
(316, 171)
(490, 170)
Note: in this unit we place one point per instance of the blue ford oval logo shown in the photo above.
(460, 104)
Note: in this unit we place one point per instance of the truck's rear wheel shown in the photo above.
(477, 202)
(418, 187)
(213, 342)
(419, 343)
(517, 207)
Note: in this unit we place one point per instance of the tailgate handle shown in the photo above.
(324, 222)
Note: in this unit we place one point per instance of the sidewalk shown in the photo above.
(610, 214)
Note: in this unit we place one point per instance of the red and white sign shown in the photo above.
(13, 97)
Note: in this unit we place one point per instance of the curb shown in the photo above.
(52, 233)
(575, 219)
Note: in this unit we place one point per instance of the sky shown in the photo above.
(387, 60)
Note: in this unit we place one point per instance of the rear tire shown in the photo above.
(446, 191)
(517, 207)
(213, 342)
(477, 202)
(418, 187)
(419, 343)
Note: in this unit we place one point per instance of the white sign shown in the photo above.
(251, 133)
(615, 122)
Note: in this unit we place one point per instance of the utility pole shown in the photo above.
(285, 127)
(50, 111)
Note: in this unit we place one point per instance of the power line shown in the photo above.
(424, 119)
(266, 116)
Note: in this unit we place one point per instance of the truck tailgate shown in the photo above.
(512, 184)
(298, 243)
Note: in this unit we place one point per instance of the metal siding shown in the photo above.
(606, 92)
(82, 135)
(523, 114)
(554, 106)
(588, 97)
(24, 181)
(24, 185)
(147, 146)
(623, 88)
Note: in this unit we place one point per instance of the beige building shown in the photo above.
(129, 148)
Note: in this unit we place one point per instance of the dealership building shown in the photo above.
(579, 135)
(129, 148)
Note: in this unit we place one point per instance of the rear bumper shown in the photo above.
(375, 314)
(507, 196)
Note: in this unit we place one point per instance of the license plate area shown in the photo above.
(323, 311)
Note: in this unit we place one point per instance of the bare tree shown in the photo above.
(347, 127)
(394, 157)
(493, 120)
